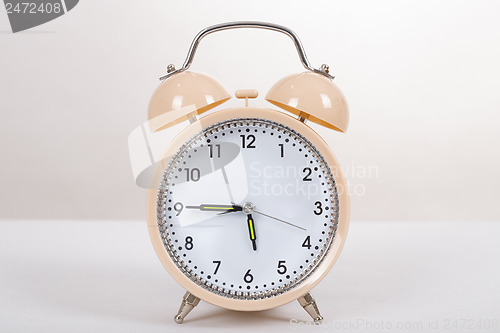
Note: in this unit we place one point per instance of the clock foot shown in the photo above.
(189, 301)
(309, 304)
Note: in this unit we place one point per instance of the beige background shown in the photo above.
(421, 78)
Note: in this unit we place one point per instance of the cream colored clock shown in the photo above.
(247, 207)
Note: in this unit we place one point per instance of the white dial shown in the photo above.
(247, 208)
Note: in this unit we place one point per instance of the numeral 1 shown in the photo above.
(282, 149)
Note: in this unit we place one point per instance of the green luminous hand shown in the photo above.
(217, 208)
(251, 231)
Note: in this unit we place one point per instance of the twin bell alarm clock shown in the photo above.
(247, 207)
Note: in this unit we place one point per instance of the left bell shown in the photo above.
(183, 96)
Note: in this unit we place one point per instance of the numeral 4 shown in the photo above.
(307, 242)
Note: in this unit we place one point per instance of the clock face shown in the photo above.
(247, 208)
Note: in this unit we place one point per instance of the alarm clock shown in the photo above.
(247, 207)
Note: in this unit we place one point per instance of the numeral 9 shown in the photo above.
(178, 207)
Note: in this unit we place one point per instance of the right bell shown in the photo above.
(311, 96)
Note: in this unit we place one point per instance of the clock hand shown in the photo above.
(251, 231)
(280, 220)
(217, 208)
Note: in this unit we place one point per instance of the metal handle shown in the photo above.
(248, 24)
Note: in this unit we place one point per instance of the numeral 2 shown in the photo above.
(307, 177)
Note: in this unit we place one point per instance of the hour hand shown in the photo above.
(251, 231)
(217, 208)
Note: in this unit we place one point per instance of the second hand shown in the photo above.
(280, 220)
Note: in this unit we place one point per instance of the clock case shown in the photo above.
(184, 97)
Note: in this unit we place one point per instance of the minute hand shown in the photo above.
(280, 220)
(216, 208)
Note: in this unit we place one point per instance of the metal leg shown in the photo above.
(189, 301)
(309, 304)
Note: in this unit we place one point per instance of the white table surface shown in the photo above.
(103, 276)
